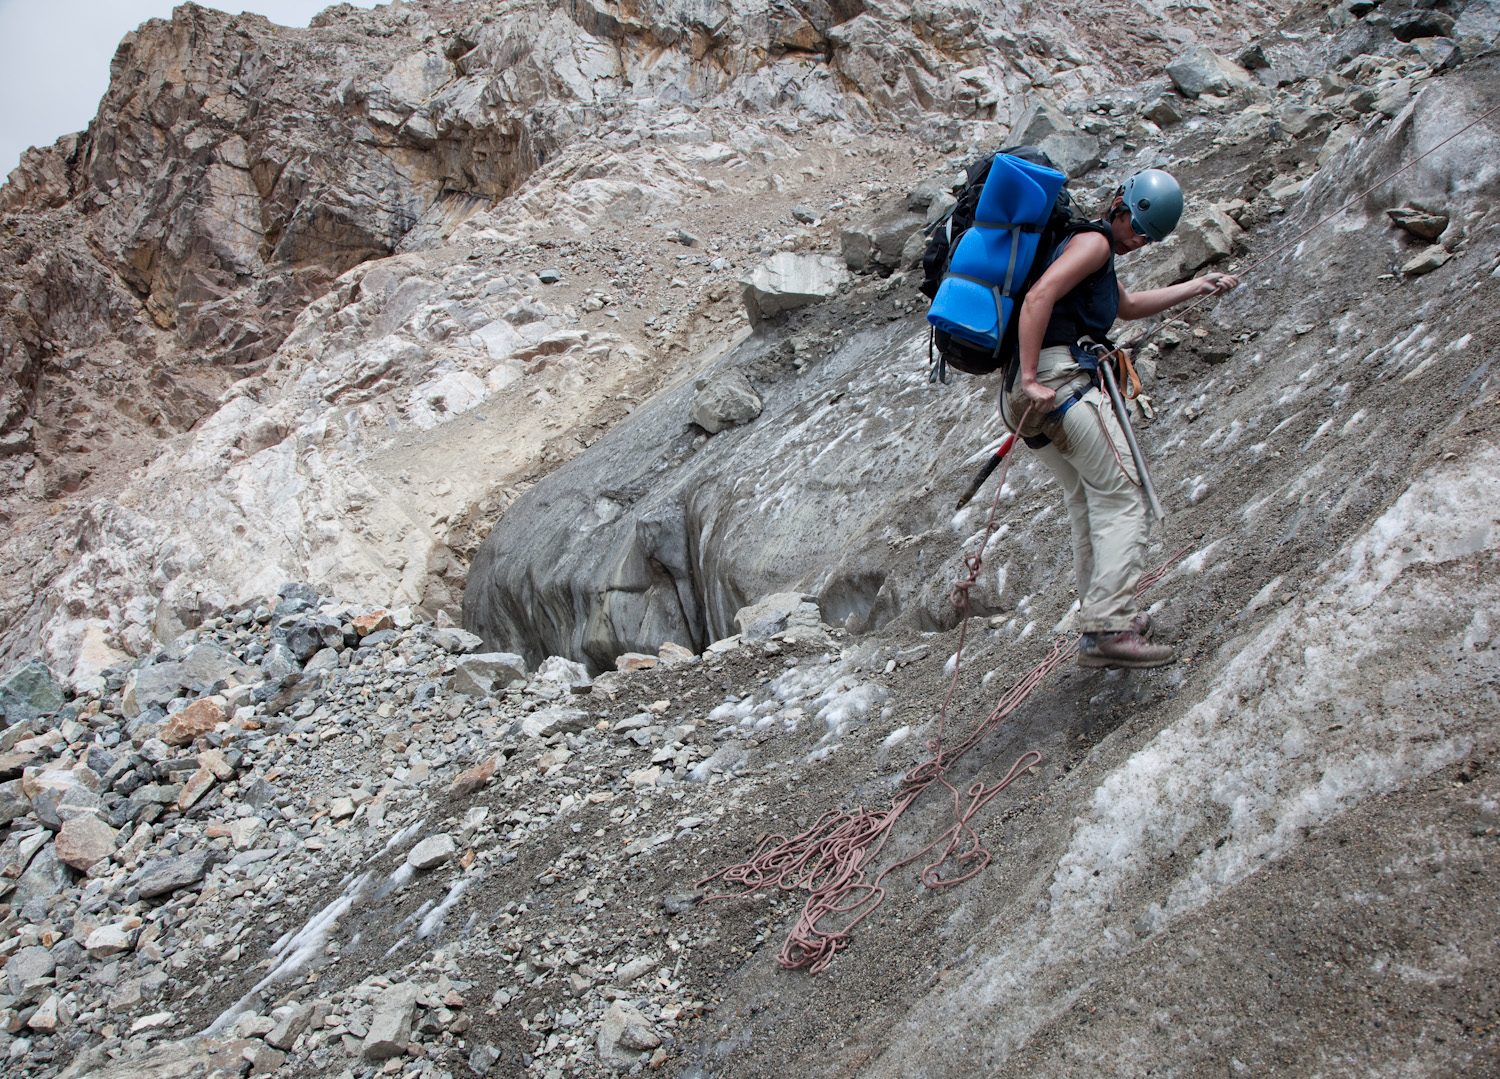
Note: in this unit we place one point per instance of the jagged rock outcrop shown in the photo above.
(158, 267)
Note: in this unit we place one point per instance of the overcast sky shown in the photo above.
(55, 54)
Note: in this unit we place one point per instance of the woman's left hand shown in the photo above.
(1214, 283)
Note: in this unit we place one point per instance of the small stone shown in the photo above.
(1199, 70)
(483, 673)
(83, 841)
(1426, 260)
(194, 721)
(26, 967)
(242, 832)
(196, 787)
(1162, 113)
(290, 1023)
(155, 1021)
(624, 1034)
(457, 641)
(46, 876)
(45, 1019)
(643, 777)
(635, 661)
(473, 780)
(805, 214)
(1420, 223)
(341, 808)
(253, 1026)
(546, 722)
(549, 276)
(374, 622)
(167, 875)
(29, 692)
(672, 653)
(262, 1058)
(107, 940)
(390, 1025)
(681, 902)
(215, 761)
(432, 851)
(482, 1059)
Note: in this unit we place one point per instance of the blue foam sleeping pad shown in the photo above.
(1018, 192)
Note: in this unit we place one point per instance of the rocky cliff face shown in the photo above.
(590, 324)
(237, 169)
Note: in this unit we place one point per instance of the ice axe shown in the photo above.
(993, 463)
(1107, 357)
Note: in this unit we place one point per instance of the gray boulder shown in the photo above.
(546, 722)
(726, 400)
(44, 878)
(481, 674)
(775, 613)
(625, 1035)
(1205, 238)
(167, 875)
(206, 664)
(875, 243)
(151, 687)
(1420, 223)
(1046, 127)
(786, 281)
(28, 692)
(26, 967)
(1199, 70)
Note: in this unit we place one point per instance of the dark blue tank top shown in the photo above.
(1089, 309)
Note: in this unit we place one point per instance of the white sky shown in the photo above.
(55, 54)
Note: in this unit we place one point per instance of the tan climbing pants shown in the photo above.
(1106, 508)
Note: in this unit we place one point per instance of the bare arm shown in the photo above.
(1085, 253)
(1145, 304)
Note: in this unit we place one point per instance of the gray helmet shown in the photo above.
(1154, 199)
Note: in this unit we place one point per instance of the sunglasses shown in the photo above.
(1135, 225)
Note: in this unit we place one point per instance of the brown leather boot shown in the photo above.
(1128, 649)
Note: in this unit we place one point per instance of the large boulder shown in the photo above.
(1199, 70)
(726, 400)
(786, 281)
(875, 243)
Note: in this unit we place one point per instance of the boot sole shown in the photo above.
(1108, 662)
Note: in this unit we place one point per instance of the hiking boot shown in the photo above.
(1128, 649)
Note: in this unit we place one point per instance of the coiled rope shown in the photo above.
(831, 859)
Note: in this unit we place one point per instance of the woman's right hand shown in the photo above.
(1043, 399)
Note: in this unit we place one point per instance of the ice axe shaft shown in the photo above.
(1106, 370)
(984, 473)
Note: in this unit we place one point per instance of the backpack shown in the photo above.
(1002, 261)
